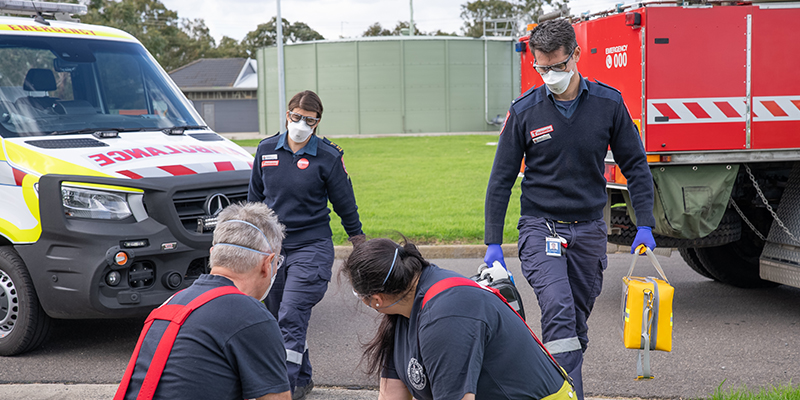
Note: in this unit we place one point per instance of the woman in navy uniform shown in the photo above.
(296, 173)
(462, 343)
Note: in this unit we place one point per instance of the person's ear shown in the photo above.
(266, 266)
(577, 55)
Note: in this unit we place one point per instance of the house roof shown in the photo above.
(216, 73)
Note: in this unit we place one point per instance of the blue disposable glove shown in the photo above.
(494, 253)
(644, 238)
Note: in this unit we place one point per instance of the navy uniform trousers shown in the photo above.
(300, 284)
(566, 286)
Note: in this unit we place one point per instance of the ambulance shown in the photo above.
(110, 181)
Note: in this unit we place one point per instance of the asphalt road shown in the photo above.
(721, 334)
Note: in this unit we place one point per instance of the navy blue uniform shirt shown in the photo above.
(297, 186)
(229, 348)
(466, 340)
(564, 159)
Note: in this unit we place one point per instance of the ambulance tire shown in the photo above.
(689, 255)
(735, 264)
(23, 323)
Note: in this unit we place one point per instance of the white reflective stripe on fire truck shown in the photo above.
(722, 109)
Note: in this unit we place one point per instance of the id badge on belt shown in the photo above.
(554, 244)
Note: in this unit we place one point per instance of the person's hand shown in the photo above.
(357, 239)
(494, 253)
(644, 239)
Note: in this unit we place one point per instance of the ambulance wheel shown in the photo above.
(689, 255)
(735, 263)
(23, 323)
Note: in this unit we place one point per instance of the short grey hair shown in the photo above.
(238, 259)
(552, 35)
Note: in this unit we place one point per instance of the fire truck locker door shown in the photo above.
(695, 78)
(774, 80)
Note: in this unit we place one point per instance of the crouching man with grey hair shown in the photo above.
(215, 339)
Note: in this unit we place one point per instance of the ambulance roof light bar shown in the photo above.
(39, 7)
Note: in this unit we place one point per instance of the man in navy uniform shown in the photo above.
(564, 129)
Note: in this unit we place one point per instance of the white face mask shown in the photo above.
(271, 282)
(557, 82)
(299, 131)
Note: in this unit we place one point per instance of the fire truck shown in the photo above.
(714, 90)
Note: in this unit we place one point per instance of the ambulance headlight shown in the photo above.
(96, 204)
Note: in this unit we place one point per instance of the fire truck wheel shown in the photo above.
(23, 323)
(690, 256)
(735, 263)
(728, 230)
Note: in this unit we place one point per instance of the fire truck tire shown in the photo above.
(689, 255)
(729, 230)
(735, 264)
(23, 323)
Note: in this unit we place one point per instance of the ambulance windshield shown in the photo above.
(57, 86)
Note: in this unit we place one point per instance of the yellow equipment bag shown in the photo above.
(646, 314)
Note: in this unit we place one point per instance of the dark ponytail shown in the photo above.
(369, 269)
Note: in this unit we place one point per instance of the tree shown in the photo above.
(474, 13)
(157, 27)
(399, 30)
(266, 35)
(376, 30)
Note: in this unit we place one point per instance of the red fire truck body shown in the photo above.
(712, 88)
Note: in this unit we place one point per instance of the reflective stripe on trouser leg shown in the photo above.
(563, 345)
(308, 269)
(566, 286)
(295, 357)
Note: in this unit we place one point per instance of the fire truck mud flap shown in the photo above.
(690, 201)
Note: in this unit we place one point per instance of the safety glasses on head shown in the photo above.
(558, 67)
(310, 121)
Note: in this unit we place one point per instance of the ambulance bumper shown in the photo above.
(92, 268)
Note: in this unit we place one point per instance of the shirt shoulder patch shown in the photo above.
(334, 145)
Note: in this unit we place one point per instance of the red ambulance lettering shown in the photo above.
(154, 151)
(119, 156)
(201, 149)
(173, 151)
(186, 149)
(137, 153)
(101, 159)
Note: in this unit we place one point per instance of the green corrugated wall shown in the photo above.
(397, 85)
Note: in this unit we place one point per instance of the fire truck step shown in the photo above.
(780, 260)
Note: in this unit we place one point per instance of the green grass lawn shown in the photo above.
(430, 189)
(782, 392)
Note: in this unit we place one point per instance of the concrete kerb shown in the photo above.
(466, 251)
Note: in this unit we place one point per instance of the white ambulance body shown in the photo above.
(109, 179)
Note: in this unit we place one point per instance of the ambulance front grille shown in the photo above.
(192, 204)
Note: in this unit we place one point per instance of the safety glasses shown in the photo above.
(310, 121)
(559, 67)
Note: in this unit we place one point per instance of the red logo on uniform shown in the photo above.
(269, 163)
(302, 163)
(541, 131)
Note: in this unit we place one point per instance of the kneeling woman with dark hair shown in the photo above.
(461, 343)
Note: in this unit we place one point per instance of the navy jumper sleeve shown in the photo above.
(629, 154)
(342, 197)
(255, 191)
(507, 160)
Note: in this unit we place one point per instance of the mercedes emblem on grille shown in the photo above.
(215, 203)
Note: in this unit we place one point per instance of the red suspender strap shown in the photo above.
(447, 283)
(176, 315)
